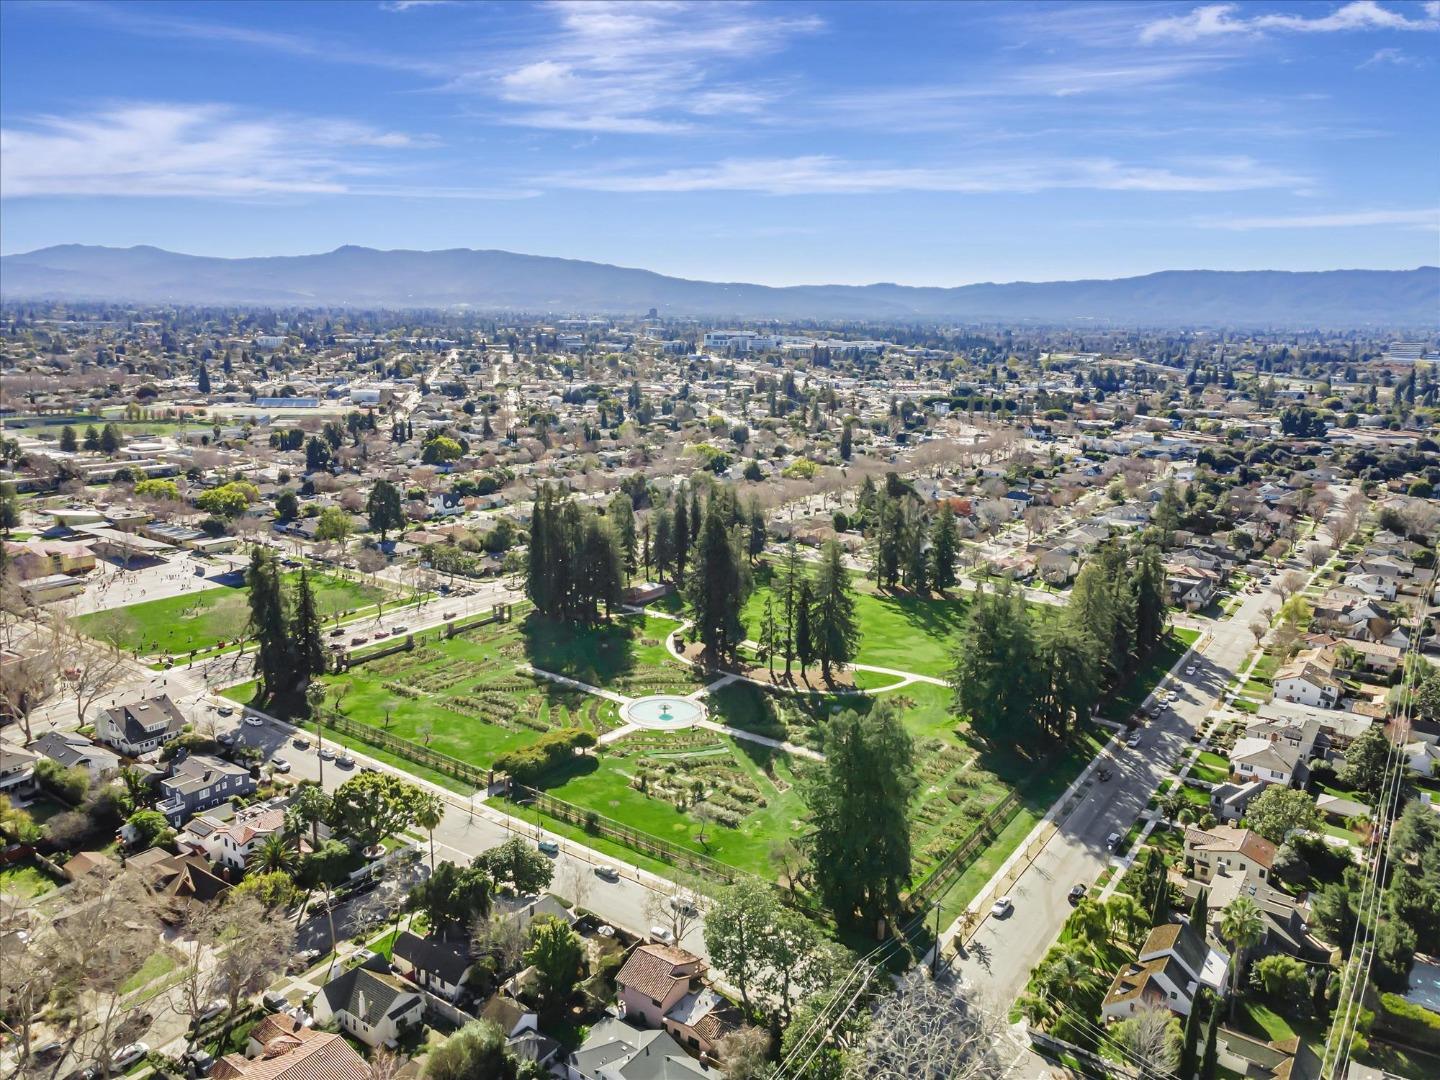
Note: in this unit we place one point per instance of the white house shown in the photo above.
(1309, 679)
(1171, 967)
(142, 726)
(373, 1006)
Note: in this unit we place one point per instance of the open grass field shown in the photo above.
(175, 625)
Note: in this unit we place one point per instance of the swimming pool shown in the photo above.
(663, 712)
(1424, 985)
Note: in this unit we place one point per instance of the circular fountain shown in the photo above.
(663, 712)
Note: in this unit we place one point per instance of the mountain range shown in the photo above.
(504, 281)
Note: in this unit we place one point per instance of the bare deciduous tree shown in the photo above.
(676, 908)
(744, 1052)
(1151, 1038)
(926, 1031)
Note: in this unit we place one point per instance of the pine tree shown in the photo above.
(383, 508)
(859, 803)
(68, 442)
(92, 438)
(804, 637)
(663, 548)
(845, 442)
(1210, 1060)
(794, 575)
(718, 584)
(944, 549)
(681, 535)
(274, 658)
(769, 639)
(621, 512)
(755, 537)
(306, 631)
(203, 382)
(110, 440)
(836, 632)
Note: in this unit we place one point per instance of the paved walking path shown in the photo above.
(575, 684)
(763, 740)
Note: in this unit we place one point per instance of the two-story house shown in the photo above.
(663, 986)
(616, 1050)
(1169, 970)
(1275, 752)
(1224, 849)
(1309, 679)
(231, 840)
(198, 782)
(69, 749)
(438, 963)
(142, 726)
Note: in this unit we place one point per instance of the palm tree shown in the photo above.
(1068, 973)
(1242, 927)
(275, 854)
(1090, 923)
(429, 812)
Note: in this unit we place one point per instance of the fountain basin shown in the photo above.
(663, 712)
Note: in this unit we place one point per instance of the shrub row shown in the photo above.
(527, 764)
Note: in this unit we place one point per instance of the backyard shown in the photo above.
(176, 625)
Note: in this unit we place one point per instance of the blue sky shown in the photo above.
(779, 143)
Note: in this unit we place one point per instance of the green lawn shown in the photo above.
(604, 783)
(25, 880)
(1211, 767)
(176, 625)
(157, 964)
(907, 633)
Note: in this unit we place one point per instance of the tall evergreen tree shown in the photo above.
(755, 534)
(68, 442)
(846, 440)
(621, 512)
(994, 668)
(769, 637)
(792, 574)
(804, 632)
(718, 584)
(274, 658)
(92, 438)
(1150, 607)
(662, 548)
(306, 631)
(682, 524)
(859, 815)
(836, 631)
(944, 549)
(383, 508)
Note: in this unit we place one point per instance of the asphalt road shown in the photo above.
(1000, 956)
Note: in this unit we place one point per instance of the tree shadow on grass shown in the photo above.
(597, 655)
(933, 616)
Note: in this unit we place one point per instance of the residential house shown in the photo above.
(179, 881)
(438, 963)
(1371, 585)
(1309, 679)
(1275, 752)
(1285, 929)
(509, 1016)
(1190, 587)
(372, 1006)
(142, 726)
(653, 980)
(17, 766)
(1170, 969)
(304, 1054)
(198, 782)
(1223, 849)
(70, 749)
(1229, 800)
(616, 1050)
(231, 839)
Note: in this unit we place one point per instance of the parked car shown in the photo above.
(201, 1060)
(1002, 907)
(225, 710)
(339, 631)
(1134, 740)
(345, 761)
(548, 847)
(662, 935)
(1190, 669)
(254, 721)
(1077, 892)
(326, 754)
(51, 1049)
(212, 1009)
(226, 738)
(1113, 841)
(359, 639)
(684, 906)
(399, 628)
(279, 764)
(274, 1001)
(128, 1055)
(301, 743)
(607, 873)
(448, 615)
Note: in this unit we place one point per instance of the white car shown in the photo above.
(1002, 907)
(279, 764)
(662, 935)
(128, 1055)
(326, 754)
(605, 931)
(1172, 696)
(1133, 741)
(212, 1010)
(254, 721)
(1190, 670)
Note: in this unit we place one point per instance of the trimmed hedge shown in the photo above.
(1412, 1024)
(527, 764)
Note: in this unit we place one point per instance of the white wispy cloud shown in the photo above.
(1227, 20)
(166, 149)
(410, 5)
(825, 175)
(1392, 57)
(1427, 219)
(637, 68)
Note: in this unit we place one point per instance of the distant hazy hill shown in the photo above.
(503, 281)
